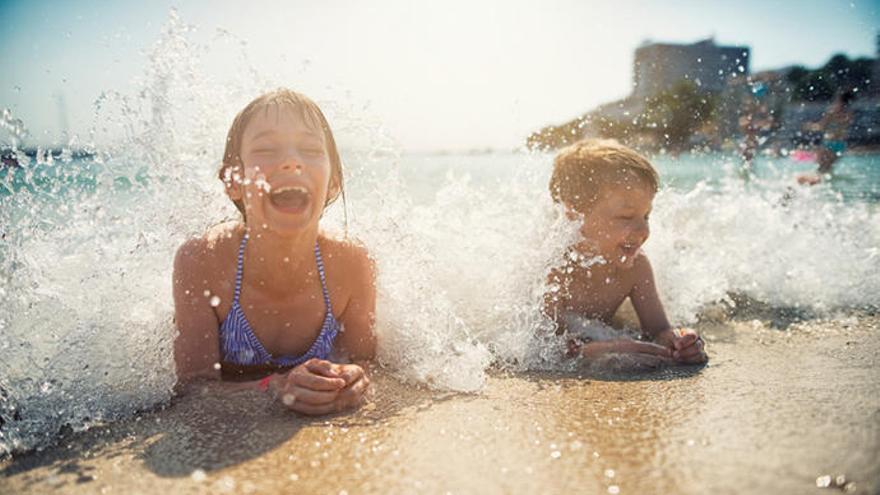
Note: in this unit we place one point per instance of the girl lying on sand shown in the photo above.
(270, 301)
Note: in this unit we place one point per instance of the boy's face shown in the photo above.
(286, 171)
(616, 226)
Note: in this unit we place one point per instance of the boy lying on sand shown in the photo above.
(611, 188)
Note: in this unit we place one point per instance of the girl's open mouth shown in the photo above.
(629, 250)
(290, 199)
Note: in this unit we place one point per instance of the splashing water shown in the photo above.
(462, 244)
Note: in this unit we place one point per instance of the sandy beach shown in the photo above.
(775, 410)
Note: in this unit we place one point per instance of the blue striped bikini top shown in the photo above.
(239, 345)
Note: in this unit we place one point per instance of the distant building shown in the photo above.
(723, 75)
(659, 66)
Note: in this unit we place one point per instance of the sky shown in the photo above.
(450, 75)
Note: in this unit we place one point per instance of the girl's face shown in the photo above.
(286, 172)
(617, 224)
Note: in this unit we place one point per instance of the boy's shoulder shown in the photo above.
(627, 276)
(641, 267)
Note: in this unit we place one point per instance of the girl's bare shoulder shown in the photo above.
(346, 256)
(207, 254)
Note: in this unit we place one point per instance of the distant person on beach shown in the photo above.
(611, 188)
(754, 122)
(834, 126)
(271, 301)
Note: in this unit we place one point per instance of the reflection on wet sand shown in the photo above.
(773, 411)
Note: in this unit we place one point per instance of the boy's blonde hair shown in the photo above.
(584, 170)
(308, 111)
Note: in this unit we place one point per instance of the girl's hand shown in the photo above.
(686, 346)
(357, 384)
(308, 387)
(320, 387)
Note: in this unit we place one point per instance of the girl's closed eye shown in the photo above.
(313, 151)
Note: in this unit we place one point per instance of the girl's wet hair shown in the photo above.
(307, 110)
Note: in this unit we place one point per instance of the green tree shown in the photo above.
(675, 114)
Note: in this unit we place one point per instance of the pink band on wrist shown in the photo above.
(263, 385)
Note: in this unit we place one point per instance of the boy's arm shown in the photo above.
(553, 296)
(646, 301)
(687, 346)
(593, 350)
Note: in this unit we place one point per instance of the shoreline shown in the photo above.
(747, 422)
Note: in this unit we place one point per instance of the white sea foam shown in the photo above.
(462, 243)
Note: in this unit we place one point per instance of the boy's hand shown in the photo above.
(638, 354)
(687, 347)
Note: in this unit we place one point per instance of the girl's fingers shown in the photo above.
(312, 381)
(351, 373)
(311, 397)
(322, 367)
(354, 395)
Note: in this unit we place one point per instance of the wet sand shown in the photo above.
(774, 410)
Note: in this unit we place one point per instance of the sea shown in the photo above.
(462, 241)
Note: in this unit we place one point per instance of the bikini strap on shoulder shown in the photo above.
(238, 271)
(320, 262)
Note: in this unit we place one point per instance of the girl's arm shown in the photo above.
(357, 339)
(196, 348)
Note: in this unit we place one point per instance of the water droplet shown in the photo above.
(215, 301)
(609, 473)
(288, 399)
(823, 481)
(217, 366)
(207, 293)
(556, 454)
(294, 477)
(613, 489)
(198, 475)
